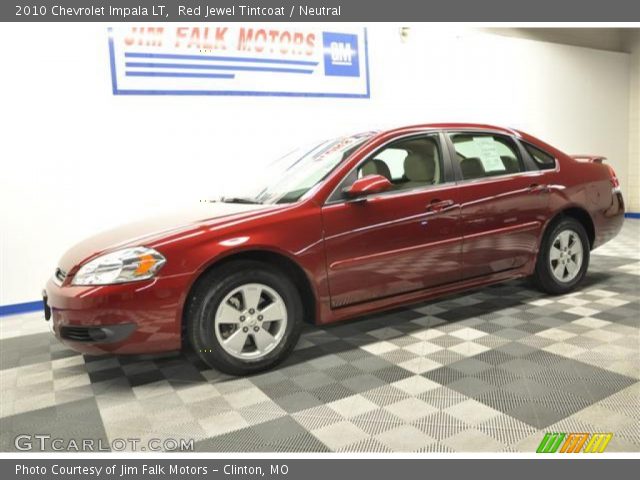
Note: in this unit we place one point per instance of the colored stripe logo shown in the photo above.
(574, 442)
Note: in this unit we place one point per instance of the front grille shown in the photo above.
(59, 276)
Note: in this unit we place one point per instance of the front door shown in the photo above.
(399, 241)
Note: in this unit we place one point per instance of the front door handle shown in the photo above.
(438, 205)
(538, 188)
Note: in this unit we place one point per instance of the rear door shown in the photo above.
(401, 240)
(504, 201)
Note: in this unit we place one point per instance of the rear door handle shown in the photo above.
(538, 188)
(438, 205)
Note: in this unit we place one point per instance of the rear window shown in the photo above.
(542, 159)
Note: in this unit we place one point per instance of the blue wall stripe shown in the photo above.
(632, 215)
(21, 308)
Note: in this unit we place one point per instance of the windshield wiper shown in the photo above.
(239, 200)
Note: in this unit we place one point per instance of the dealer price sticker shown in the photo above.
(240, 60)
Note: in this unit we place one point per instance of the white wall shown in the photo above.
(72, 152)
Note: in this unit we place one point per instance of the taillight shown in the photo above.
(615, 183)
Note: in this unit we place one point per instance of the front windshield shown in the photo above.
(293, 175)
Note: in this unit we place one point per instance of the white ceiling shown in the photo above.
(613, 39)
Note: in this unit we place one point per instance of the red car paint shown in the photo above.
(358, 257)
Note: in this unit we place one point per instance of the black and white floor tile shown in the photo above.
(490, 370)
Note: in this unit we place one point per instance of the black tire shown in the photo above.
(207, 296)
(543, 276)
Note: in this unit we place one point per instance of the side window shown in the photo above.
(543, 160)
(407, 163)
(485, 155)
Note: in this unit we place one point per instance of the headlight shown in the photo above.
(127, 265)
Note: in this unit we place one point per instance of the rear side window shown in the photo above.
(486, 155)
(542, 159)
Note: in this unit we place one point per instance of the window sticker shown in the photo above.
(489, 155)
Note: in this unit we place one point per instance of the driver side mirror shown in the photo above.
(368, 185)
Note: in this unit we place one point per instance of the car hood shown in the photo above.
(153, 230)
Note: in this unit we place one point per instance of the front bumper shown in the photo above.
(129, 318)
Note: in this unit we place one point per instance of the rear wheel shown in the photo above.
(244, 317)
(563, 258)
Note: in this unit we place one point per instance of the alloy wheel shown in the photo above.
(566, 256)
(250, 321)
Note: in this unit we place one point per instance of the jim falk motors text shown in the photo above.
(207, 11)
(125, 470)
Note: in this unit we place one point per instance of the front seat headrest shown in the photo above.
(376, 166)
(418, 168)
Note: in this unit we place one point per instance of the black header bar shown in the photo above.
(320, 11)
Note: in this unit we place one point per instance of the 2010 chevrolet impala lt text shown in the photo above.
(350, 226)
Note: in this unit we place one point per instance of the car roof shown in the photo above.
(455, 126)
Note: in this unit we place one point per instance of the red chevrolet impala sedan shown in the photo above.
(349, 226)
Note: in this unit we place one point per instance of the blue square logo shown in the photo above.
(340, 54)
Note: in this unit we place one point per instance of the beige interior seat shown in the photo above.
(419, 169)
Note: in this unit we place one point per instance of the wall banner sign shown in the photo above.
(240, 60)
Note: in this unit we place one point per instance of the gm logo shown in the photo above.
(340, 54)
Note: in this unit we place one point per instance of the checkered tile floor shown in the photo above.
(490, 370)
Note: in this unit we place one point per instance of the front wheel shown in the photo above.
(563, 258)
(244, 317)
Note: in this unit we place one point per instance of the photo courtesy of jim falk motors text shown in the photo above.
(148, 469)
